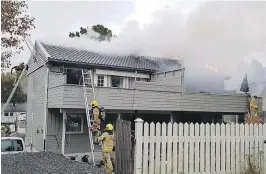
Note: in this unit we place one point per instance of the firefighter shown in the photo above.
(108, 144)
(112, 155)
(96, 117)
(253, 106)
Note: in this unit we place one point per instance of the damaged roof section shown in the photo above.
(72, 55)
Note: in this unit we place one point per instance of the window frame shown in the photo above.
(11, 113)
(6, 114)
(80, 79)
(101, 80)
(121, 81)
(57, 68)
(82, 124)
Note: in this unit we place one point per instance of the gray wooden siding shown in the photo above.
(55, 89)
(75, 143)
(56, 79)
(37, 59)
(166, 75)
(55, 97)
(35, 105)
(159, 86)
(73, 96)
(215, 103)
(138, 99)
(122, 99)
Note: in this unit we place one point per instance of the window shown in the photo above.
(6, 113)
(74, 76)
(57, 68)
(74, 124)
(100, 81)
(10, 145)
(116, 81)
(11, 114)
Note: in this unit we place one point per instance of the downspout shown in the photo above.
(134, 90)
(45, 108)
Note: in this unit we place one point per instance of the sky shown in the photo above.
(58, 18)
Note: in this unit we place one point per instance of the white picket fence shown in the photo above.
(198, 148)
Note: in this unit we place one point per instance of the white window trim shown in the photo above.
(82, 124)
(125, 82)
(121, 84)
(65, 74)
(122, 73)
(103, 80)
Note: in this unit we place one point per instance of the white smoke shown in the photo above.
(24, 83)
(220, 34)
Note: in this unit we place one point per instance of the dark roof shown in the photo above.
(19, 107)
(72, 55)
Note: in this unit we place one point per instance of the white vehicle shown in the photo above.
(11, 145)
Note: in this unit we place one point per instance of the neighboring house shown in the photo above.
(12, 111)
(125, 86)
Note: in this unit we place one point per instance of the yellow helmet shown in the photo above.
(94, 103)
(109, 127)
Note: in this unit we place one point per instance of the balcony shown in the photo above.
(143, 98)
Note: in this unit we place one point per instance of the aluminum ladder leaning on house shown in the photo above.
(88, 89)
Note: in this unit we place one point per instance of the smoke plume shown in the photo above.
(222, 35)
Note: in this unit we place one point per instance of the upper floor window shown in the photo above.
(100, 81)
(11, 114)
(6, 113)
(57, 68)
(74, 76)
(116, 81)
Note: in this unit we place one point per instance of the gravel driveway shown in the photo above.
(44, 162)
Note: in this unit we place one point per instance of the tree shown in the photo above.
(105, 34)
(15, 24)
(7, 84)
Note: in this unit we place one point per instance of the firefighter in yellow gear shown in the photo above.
(108, 143)
(253, 106)
(96, 126)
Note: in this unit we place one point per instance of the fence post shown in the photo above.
(138, 147)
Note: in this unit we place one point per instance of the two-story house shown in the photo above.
(151, 88)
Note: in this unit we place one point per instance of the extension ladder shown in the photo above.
(88, 89)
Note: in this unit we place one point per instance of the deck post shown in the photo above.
(172, 120)
(138, 147)
(63, 133)
(237, 118)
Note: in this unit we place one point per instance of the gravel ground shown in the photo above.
(44, 162)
